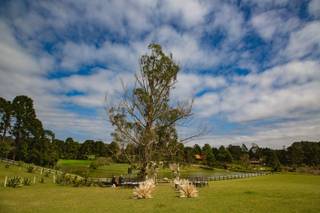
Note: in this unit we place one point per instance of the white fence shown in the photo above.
(40, 169)
(237, 176)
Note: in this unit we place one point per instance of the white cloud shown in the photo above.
(267, 4)
(76, 30)
(304, 41)
(314, 8)
(115, 55)
(229, 18)
(281, 92)
(190, 84)
(22, 74)
(96, 87)
(273, 23)
(191, 12)
(13, 57)
(275, 136)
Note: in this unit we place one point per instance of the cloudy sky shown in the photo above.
(252, 67)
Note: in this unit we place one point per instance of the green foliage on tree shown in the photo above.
(224, 155)
(28, 141)
(6, 112)
(209, 158)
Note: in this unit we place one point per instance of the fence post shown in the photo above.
(54, 178)
(5, 181)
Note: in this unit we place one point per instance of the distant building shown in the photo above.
(198, 157)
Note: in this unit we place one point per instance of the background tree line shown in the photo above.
(22, 137)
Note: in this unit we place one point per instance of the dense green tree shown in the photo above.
(236, 152)
(26, 126)
(86, 148)
(311, 153)
(208, 155)
(245, 160)
(224, 156)
(254, 152)
(71, 149)
(59, 147)
(296, 155)
(114, 150)
(100, 149)
(5, 117)
(6, 146)
(197, 149)
(188, 155)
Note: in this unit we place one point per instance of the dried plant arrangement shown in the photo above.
(144, 190)
(186, 188)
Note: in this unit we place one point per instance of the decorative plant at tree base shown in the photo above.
(144, 190)
(186, 188)
(14, 182)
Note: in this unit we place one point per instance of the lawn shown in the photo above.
(273, 193)
(122, 169)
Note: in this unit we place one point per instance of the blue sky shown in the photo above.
(252, 67)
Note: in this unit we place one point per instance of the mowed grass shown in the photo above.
(65, 163)
(122, 169)
(273, 193)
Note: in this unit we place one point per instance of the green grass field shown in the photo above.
(118, 169)
(273, 193)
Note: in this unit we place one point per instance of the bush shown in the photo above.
(41, 180)
(20, 163)
(30, 169)
(47, 173)
(144, 190)
(15, 181)
(76, 181)
(63, 179)
(7, 166)
(186, 188)
(100, 161)
(26, 181)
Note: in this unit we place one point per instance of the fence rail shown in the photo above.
(237, 176)
(201, 181)
(40, 169)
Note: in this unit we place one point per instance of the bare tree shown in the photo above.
(145, 116)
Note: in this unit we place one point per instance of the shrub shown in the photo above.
(15, 181)
(41, 180)
(47, 173)
(93, 165)
(144, 190)
(26, 181)
(63, 179)
(30, 169)
(20, 163)
(7, 166)
(81, 171)
(76, 181)
(100, 161)
(186, 188)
